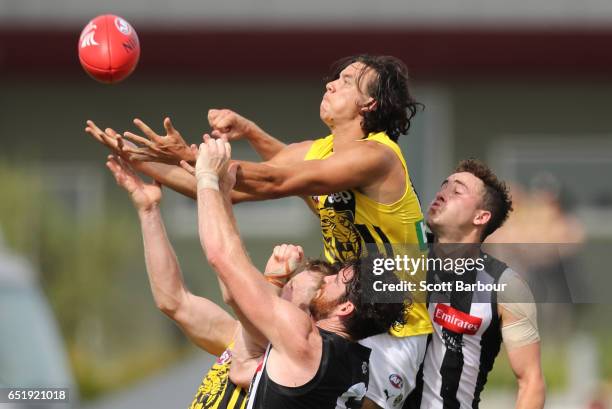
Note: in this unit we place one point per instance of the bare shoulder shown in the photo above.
(302, 146)
(374, 153)
(292, 153)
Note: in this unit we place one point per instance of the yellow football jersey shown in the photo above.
(350, 220)
(216, 390)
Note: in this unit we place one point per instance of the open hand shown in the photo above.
(170, 148)
(144, 195)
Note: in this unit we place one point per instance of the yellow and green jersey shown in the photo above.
(351, 220)
(217, 391)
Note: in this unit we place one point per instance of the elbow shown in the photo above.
(216, 257)
(170, 308)
(534, 387)
(219, 260)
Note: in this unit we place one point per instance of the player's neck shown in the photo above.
(456, 236)
(347, 132)
(332, 324)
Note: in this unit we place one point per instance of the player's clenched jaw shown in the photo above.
(346, 96)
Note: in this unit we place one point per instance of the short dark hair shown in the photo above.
(369, 317)
(496, 197)
(395, 105)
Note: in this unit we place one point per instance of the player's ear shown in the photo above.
(482, 217)
(346, 308)
(370, 105)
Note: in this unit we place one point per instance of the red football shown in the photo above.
(109, 48)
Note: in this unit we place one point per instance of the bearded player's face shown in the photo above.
(331, 293)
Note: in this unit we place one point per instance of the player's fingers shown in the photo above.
(93, 127)
(146, 129)
(111, 162)
(277, 252)
(114, 171)
(96, 135)
(187, 167)
(125, 165)
(228, 149)
(137, 157)
(220, 147)
(224, 122)
(137, 138)
(109, 140)
(120, 144)
(168, 126)
(285, 251)
(212, 116)
(203, 150)
(133, 150)
(111, 132)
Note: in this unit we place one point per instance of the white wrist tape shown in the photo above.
(208, 180)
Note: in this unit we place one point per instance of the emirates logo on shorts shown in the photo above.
(455, 320)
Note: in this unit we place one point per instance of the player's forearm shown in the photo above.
(226, 254)
(172, 176)
(182, 182)
(531, 393)
(163, 268)
(259, 180)
(263, 143)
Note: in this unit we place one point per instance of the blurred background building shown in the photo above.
(524, 86)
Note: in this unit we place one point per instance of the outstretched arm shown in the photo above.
(172, 148)
(168, 175)
(228, 124)
(357, 167)
(204, 322)
(289, 329)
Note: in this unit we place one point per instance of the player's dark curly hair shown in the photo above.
(395, 105)
(369, 317)
(496, 198)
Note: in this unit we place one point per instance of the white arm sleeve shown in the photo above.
(516, 298)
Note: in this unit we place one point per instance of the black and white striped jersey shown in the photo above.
(465, 342)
